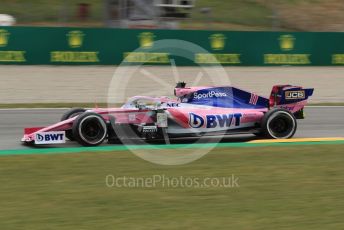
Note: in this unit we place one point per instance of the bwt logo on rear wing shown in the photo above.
(55, 137)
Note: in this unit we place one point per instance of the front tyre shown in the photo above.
(89, 129)
(72, 113)
(69, 114)
(279, 124)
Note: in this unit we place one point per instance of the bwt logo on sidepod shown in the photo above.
(214, 121)
(50, 137)
(209, 95)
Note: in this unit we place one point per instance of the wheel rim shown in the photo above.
(92, 129)
(281, 126)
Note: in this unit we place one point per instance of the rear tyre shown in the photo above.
(89, 129)
(279, 124)
(69, 114)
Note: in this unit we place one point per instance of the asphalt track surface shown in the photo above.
(319, 122)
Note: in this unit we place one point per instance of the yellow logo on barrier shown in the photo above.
(4, 34)
(146, 40)
(217, 41)
(75, 38)
(286, 42)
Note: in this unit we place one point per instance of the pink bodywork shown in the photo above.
(122, 117)
(129, 114)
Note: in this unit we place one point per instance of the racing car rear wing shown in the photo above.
(292, 98)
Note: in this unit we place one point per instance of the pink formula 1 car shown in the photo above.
(195, 111)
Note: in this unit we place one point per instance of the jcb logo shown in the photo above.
(300, 94)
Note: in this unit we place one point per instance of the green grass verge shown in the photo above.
(229, 14)
(298, 187)
(246, 12)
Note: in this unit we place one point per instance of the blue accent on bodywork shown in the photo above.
(225, 97)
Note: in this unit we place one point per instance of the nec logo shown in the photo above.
(55, 137)
(299, 94)
(172, 104)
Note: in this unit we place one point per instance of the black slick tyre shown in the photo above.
(89, 129)
(69, 114)
(279, 124)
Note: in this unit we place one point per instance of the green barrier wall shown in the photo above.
(77, 46)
